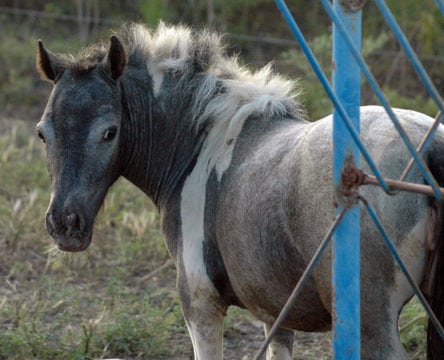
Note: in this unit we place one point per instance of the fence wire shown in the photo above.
(432, 189)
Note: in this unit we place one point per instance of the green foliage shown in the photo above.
(20, 88)
(417, 103)
(58, 325)
(152, 11)
(413, 326)
(314, 98)
(16, 82)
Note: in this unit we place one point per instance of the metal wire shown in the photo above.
(423, 146)
(428, 84)
(301, 283)
(392, 248)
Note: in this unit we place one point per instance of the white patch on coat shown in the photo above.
(170, 48)
(157, 77)
(192, 208)
(203, 294)
(215, 153)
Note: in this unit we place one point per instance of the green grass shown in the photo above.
(98, 304)
(413, 327)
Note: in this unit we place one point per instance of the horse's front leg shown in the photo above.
(204, 316)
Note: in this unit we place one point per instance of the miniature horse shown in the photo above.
(242, 181)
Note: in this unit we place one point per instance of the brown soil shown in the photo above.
(244, 337)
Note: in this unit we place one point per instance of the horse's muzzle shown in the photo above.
(68, 229)
(72, 244)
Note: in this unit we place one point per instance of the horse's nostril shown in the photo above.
(72, 224)
(72, 220)
(66, 222)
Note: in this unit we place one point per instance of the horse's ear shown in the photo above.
(116, 59)
(48, 64)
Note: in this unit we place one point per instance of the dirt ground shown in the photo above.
(244, 336)
(243, 342)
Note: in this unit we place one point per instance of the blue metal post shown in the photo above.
(440, 5)
(346, 248)
(328, 89)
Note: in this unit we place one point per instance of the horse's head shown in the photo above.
(81, 129)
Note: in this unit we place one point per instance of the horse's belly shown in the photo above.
(263, 277)
(262, 257)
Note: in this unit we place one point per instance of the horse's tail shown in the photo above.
(434, 272)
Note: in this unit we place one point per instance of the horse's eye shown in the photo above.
(110, 134)
(41, 136)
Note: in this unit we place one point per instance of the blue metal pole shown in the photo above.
(346, 246)
(328, 89)
(440, 5)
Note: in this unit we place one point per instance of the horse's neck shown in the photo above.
(161, 144)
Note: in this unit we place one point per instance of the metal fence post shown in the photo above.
(346, 245)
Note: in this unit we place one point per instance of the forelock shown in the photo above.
(85, 59)
(166, 49)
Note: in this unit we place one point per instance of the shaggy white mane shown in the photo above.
(182, 51)
(185, 53)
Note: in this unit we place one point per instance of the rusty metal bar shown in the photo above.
(402, 185)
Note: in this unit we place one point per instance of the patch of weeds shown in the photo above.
(413, 329)
(23, 188)
(236, 315)
(76, 321)
(133, 222)
(23, 333)
(134, 329)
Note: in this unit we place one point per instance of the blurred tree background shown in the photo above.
(254, 28)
